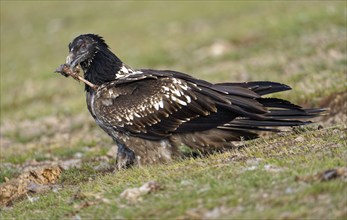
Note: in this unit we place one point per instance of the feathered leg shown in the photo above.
(125, 157)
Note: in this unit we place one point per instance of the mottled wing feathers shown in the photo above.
(155, 104)
(153, 107)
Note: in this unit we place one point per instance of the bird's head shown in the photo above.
(83, 48)
(98, 62)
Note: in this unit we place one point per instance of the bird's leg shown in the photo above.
(125, 157)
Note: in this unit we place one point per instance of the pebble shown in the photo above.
(299, 139)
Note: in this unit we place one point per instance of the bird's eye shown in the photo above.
(83, 46)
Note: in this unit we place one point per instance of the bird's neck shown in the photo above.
(101, 68)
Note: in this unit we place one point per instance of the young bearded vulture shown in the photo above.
(150, 113)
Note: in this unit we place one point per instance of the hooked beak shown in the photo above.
(72, 60)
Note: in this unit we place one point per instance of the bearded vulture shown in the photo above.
(151, 113)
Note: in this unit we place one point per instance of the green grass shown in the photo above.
(221, 180)
(44, 116)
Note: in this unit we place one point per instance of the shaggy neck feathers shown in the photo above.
(101, 68)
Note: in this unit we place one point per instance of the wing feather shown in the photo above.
(154, 107)
(156, 104)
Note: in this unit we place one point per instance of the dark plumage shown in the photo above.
(149, 113)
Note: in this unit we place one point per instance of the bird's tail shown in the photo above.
(279, 113)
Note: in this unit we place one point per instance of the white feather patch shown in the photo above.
(156, 106)
(161, 104)
(188, 98)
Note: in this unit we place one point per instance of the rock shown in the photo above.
(134, 194)
(299, 139)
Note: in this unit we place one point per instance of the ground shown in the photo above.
(56, 163)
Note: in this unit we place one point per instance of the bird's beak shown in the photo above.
(71, 60)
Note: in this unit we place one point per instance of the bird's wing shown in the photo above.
(154, 106)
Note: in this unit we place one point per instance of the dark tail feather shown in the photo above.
(259, 87)
(281, 113)
(279, 109)
(249, 123)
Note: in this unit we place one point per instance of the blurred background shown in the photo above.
(302, 44)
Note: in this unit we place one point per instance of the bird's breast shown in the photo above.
(91, 107)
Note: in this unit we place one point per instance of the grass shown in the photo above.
(44, 116)
(192, 187)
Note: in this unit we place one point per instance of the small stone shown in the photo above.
(134, 194)
(289, 190)
(300, 139)
(78, 155)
